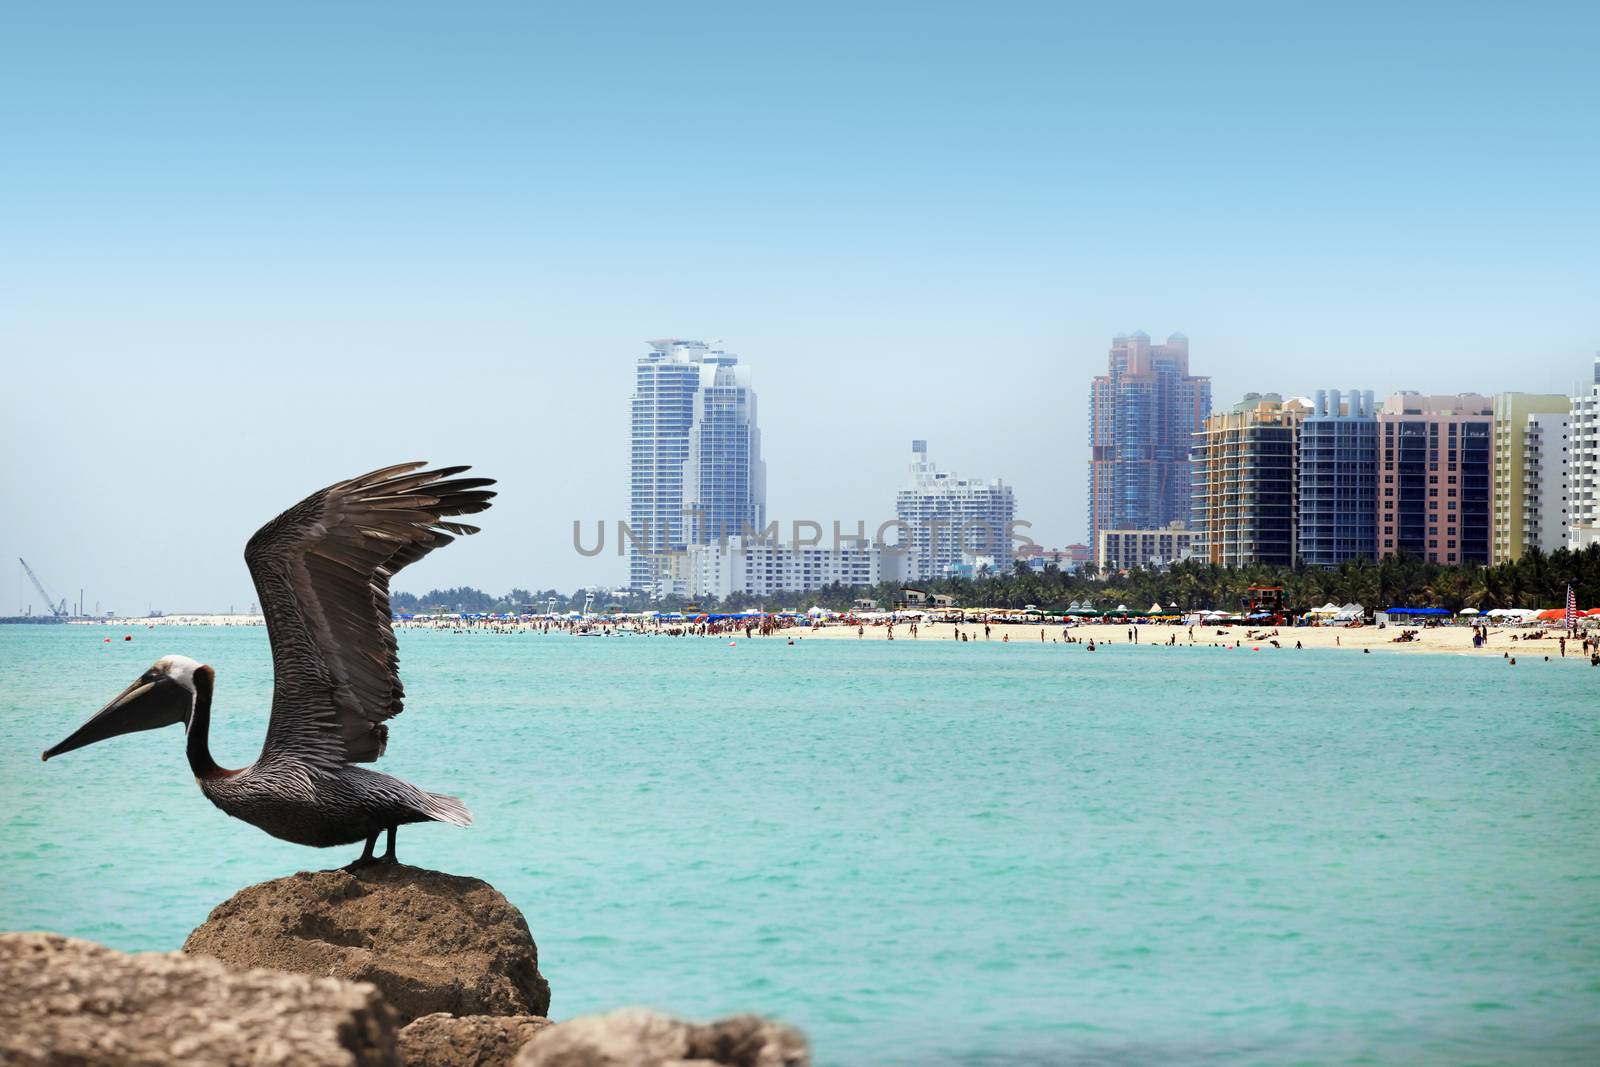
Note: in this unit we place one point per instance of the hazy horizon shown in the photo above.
(252, 252)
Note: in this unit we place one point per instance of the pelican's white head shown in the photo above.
(178, 668)
(164, 695)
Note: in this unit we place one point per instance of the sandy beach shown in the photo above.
(1455, 640)
(1516, 641)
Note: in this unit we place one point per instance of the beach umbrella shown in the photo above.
(1468, 611)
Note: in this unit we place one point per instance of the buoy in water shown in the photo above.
(731, 644)
(127, 637)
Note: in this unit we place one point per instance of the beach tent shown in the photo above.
(1416, 611)
(1326, 609)
(1155, 609)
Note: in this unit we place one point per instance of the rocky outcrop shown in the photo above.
(442, 1040)
(634, 1037)
(430, 942)
(64, 1001)
(386, 967)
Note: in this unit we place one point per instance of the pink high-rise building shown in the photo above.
(1435, 471)
(1143, 414)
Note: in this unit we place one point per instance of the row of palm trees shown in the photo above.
(1537, 580)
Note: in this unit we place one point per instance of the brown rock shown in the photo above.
(441, 1040)
(430, 942)
(69, 1002)
(634, 1037)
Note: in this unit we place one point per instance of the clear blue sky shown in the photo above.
(245, 252)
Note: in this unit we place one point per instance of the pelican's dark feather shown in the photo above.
(322, 571)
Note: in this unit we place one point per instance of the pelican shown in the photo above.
(321, 572)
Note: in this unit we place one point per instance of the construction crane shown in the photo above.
(59, 610)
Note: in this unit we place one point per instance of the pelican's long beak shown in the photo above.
(145, 705)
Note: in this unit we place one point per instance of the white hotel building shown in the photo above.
(1546, 510)
(1583, 467)
(952, 520)
(750, 566)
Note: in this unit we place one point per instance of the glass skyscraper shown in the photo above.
(696, 468)
(1143, 415)
(1339, 479)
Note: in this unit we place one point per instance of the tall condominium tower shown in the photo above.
(1513, 413)
(952, 519)
(1143, 414)
(1583, 467)
(725, 479)
(1339, 479)
(1436, 455)
(696, 469)
(1244, 483)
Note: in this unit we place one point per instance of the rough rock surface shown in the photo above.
(442, 1040)
(634, 1037)
(430, 942)
(64, 1001)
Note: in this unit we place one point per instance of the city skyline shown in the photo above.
(230, 230)
(600, 573)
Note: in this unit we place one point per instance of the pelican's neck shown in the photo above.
(200, 761)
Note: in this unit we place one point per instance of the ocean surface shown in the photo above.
(920, 852)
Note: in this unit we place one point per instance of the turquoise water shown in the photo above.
(921, 852)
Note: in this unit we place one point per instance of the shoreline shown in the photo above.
(1439, 640)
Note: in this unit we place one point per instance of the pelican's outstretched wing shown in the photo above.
(322, 572)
